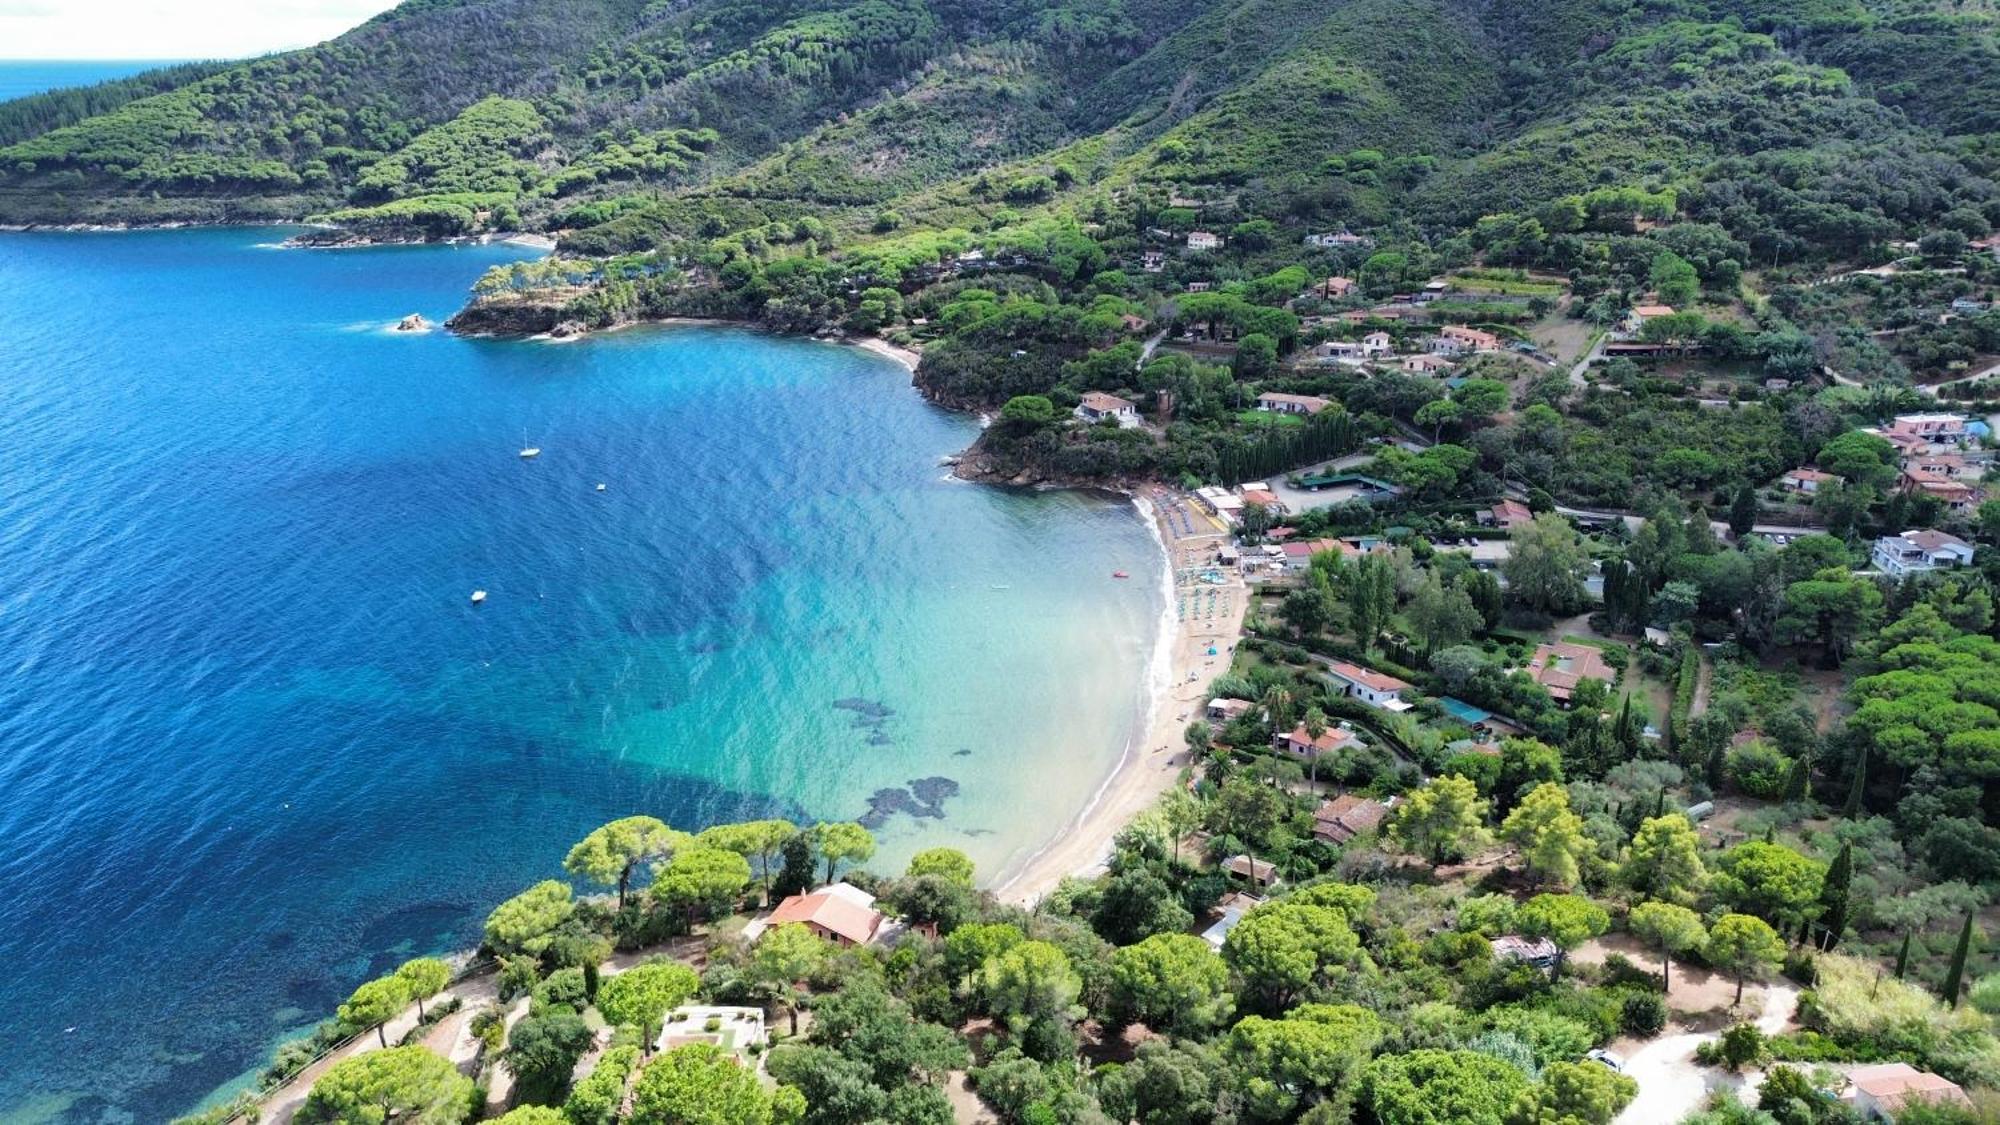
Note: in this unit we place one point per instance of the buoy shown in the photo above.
(478, 596)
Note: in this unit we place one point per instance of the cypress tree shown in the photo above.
(1770, 833)
(1833, 895)
(1903, 958)
(1858, 787)
(1717, 760)
(1796, 777)
(1954, 977)
(1743, 511)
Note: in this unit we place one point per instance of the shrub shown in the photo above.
(1643, 1014)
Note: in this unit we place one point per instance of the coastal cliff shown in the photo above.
(540, 312)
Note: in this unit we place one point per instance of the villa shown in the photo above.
(1261, 872)
(1096, 406)
(1226, 710)
(1204, 240)
(1377, 344)
(840, 912)
(1456, 339)
(1336, 288)
(1955, 495)
(1807, 481)
(1278, 402)
(1635, 321)
(1936, 429)
(1562, 666)
(1374, 688)
(1917, 552)
(1425, 364)
(1264, 498)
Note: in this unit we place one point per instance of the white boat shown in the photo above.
(530, 453)
(478, 596)
(600, 488)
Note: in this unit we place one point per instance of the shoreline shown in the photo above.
(1157, 752)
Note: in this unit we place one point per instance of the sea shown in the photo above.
(22, 77)
(258, 744)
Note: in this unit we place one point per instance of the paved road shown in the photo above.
(1576, 371)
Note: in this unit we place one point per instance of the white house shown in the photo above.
(1377, 344)
(1374, 688)
(1204, 240)
(1278, 402)
(1808, 481)
(1096, 406)
(1152, 261)
(1915, 552)
(1934, 428)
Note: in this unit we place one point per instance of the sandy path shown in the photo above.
(1150, 768)
(1672, 1085)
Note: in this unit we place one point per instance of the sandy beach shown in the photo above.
(1149, 767)
(908, 357)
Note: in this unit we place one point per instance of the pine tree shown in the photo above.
(1954, 977)
(1858, 787)
(1833, 895)
(1717, 762)
(1903, 958)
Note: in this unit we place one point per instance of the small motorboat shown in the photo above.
(478, 596)
(530, 453)
(600, 487)
(1119, 574)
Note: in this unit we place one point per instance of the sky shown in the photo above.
(172, 29)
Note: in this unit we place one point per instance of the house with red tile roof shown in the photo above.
(1507, 514)
(1347, 816)
(1561, 666)
(840, 913)
(1882, 1090)
(1807, 481)
(1301, 744)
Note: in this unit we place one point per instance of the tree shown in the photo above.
(596, 1099)
(947, 863)
(1442, 615)
(1281, 947)
(1444, 819)
(1574, 1094)
(1743, 510)
(1744, 947)
(409, 1085)
(1833, 896)
(1312, 1050)
(760, 838)
(1954, 976)
(843, 842)
(524, 923)
(1371, 598)
(1546, 565)
(1029, 981)
(424, 978)
(375, 1003)
(1433, 1087)
(1307, 611)
(1172, 983)
(611, 853)
(1024, 414)
(1770, 880)
(1833, 608)
(542, 1051)
(1549, 835)
(1664, 859)
(699, 1084)
(644, 994)
(1256, 355)
(1672, 929)
(533, 1115)
(1484, 590)
(702, 879)
(1135, 904)
(785, 956)
(1567, 920)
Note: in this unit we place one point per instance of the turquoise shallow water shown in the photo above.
(255, 743)
(21, 77)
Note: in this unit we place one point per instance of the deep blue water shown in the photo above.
(255, 742)
(21, 77)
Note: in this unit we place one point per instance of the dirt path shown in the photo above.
(1672, 1085)
(1704, 679)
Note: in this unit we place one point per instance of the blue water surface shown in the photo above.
(21, 77)
(256, 743)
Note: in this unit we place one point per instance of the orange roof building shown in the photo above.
(840, 913)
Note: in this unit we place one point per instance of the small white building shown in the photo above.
(1377, 344)
(1808, 481)
(735, 1030)
(1278, 402)
(1917, 552)
(1204, 240)
(1881, 1091)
